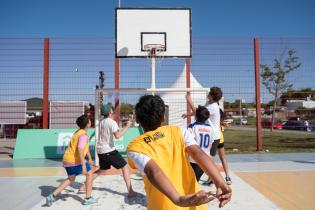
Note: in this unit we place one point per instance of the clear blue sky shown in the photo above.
(95, 18)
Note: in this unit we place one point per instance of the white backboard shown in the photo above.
(136, 27)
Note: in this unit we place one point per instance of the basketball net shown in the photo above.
(155, 55)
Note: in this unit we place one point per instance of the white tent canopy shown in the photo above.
(176, 101)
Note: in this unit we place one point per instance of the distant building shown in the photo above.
(281, 112)
(247, 112)
(252, 111)
(232, 112)
(294, 104)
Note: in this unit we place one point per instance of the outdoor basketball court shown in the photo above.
(266, 181)
(260, 181)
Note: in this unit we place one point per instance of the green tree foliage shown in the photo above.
(236, 104)
(126, 109)
(275, 78)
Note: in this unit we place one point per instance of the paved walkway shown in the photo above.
(111, 194)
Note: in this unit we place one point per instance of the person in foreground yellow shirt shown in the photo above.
(161, 154)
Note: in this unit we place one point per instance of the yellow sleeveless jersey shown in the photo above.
(166, 147)
(72, 154)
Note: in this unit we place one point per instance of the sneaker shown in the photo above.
(89, 201)
(228, 180)
(50, 199)
(208, 183)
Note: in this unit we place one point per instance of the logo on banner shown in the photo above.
(63, 141)
(119, 144)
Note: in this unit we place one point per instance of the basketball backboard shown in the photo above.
(168, 27)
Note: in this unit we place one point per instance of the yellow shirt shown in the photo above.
(72, 154)
(166, 147)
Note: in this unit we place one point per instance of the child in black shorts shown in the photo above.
(107, 154)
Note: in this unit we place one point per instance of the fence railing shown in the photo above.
(44, 71)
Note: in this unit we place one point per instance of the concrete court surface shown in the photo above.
(260, 181)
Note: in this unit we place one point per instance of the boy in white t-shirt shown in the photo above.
(212, 105)
(107, 154)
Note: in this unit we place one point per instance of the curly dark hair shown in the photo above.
(82, 121)
(216, 94)
(150, 111)
(202, 114)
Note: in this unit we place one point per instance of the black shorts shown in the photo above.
(111, 159)
(221, 145)
(198, 171)
(214, 146)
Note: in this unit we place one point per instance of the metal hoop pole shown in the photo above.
(153, 61)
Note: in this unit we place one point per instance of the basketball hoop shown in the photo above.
(155, 56)
(154, 50)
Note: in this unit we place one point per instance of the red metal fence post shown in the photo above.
(257, 86)
(46, 83)
(117, 72)
(188, 86)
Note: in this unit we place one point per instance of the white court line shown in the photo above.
(272, 166)
(280, 170)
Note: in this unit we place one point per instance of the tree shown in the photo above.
(34, 104)
(274, 78)
(126, 109)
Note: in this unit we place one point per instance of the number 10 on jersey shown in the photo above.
(204, 140)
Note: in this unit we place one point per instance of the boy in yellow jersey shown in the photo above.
(74, 161)
(161, 154)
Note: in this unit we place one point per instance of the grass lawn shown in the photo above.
(278, 141)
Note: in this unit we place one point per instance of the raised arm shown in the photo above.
(190, 103)
(191, 106)
(119, 134)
